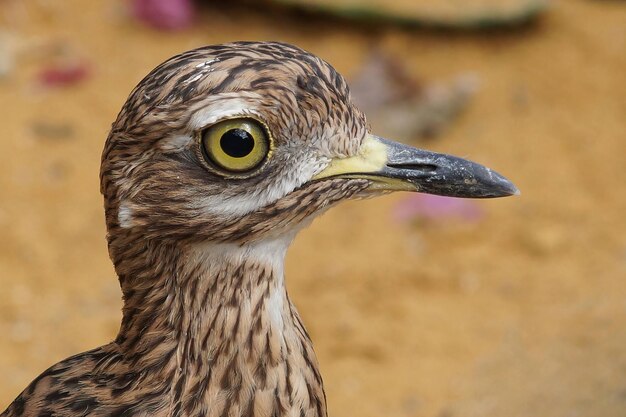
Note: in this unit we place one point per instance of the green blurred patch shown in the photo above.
(453, 14)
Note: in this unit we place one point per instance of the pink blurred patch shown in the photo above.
(164, 14)
(64, 74)
(434, 208)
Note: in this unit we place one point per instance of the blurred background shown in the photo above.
(418, 306)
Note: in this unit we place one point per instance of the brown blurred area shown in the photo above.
(520, 314)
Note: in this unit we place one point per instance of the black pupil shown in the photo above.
(237, 143)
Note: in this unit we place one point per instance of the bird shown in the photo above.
(217, 159)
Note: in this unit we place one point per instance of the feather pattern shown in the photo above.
(208, 328)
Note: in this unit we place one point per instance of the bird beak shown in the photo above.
(392, 166)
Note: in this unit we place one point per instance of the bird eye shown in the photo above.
(236, 145)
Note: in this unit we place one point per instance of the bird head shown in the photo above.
(248, 141)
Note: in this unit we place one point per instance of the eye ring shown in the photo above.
(236, 147)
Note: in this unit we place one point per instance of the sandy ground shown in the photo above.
(521, 314)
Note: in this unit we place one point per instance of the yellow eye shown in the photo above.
(236, 145)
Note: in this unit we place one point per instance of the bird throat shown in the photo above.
(214, 322)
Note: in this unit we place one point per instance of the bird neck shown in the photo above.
(216, 322)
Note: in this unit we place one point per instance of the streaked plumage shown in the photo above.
(208, 328)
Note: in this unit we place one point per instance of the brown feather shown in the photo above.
(208, 328)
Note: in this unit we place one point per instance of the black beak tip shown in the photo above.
(509, 189)
(499, 186)
(445, 175)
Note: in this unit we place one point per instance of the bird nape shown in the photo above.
(217, 159)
